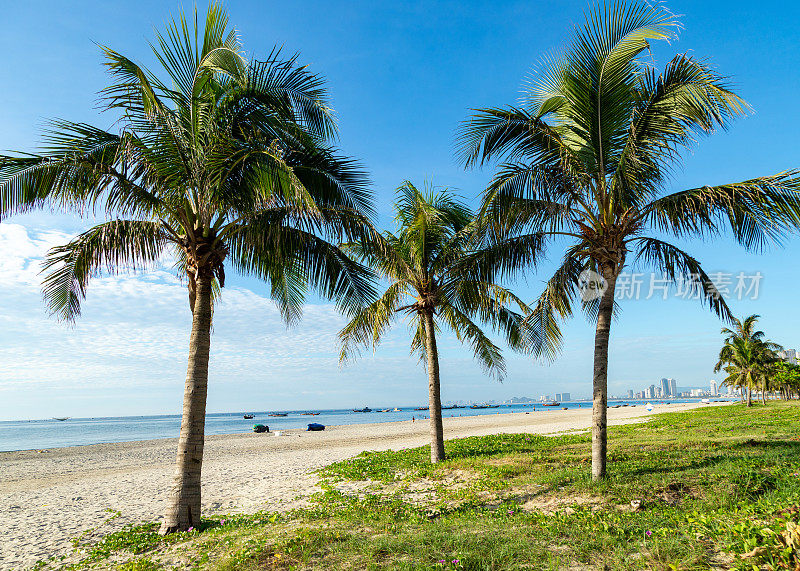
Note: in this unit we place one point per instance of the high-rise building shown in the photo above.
(673, 387)
(630, 393)
(665, 388)
(713, 384)
(650, 392)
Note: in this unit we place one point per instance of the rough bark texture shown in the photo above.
(183, 510)
(600, 380)
(749, 396)
(434, 396)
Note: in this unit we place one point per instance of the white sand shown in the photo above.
(49, 497)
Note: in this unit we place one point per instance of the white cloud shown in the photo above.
(133, 334)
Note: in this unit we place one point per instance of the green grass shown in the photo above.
(707, 487)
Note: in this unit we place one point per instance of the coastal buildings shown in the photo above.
(789, 355)
(562, 397)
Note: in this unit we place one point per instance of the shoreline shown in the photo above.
(49, 497)
(333, 420)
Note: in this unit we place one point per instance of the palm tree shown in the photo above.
(225, 162)
(787, 379)
(439, 277)
(748, 358)
(585, 162)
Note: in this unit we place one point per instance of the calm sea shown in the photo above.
(35, 434)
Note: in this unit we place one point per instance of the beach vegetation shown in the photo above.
(220, 161)
(748, 358)
(584, 164)
(440, 276)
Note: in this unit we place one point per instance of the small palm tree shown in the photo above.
(224, 163)
(586, 161)
(748, 358)
(438, 276)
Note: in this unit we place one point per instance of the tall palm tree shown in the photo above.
(223, 161)
(439, 277)
(749, 359)
(585, 162)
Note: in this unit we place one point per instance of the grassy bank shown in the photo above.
(712, 488)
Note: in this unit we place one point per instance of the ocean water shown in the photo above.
(37, 434)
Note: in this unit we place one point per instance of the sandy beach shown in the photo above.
(51, 496)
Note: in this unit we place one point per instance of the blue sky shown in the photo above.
(402, 76)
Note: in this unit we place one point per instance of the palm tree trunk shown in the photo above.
(183, 510)
(434, 395)
(600, 380)
(749, 396)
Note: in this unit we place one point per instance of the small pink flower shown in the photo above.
(190, 529)
(456, 561)
(442, 561)
(648, 533)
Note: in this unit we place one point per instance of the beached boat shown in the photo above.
(248, 416)
(278, 414)
(315, 427)
(365, 409)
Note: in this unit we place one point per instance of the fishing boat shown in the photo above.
(395, 409)
(481, 406)
(365, 409)
(551, 404)
(248, 416)
(278, 414)
(61, 418)
(421, 408)
(310, 414)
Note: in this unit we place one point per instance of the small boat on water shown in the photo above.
(61, 418)
(480, 406)
(310, 414)
(248, 416)
(385, 410)
(551, 404)
(278, 414)
(395, 409)
(365, 409)
(421, 408)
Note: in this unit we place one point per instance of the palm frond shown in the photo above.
(111, 247)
